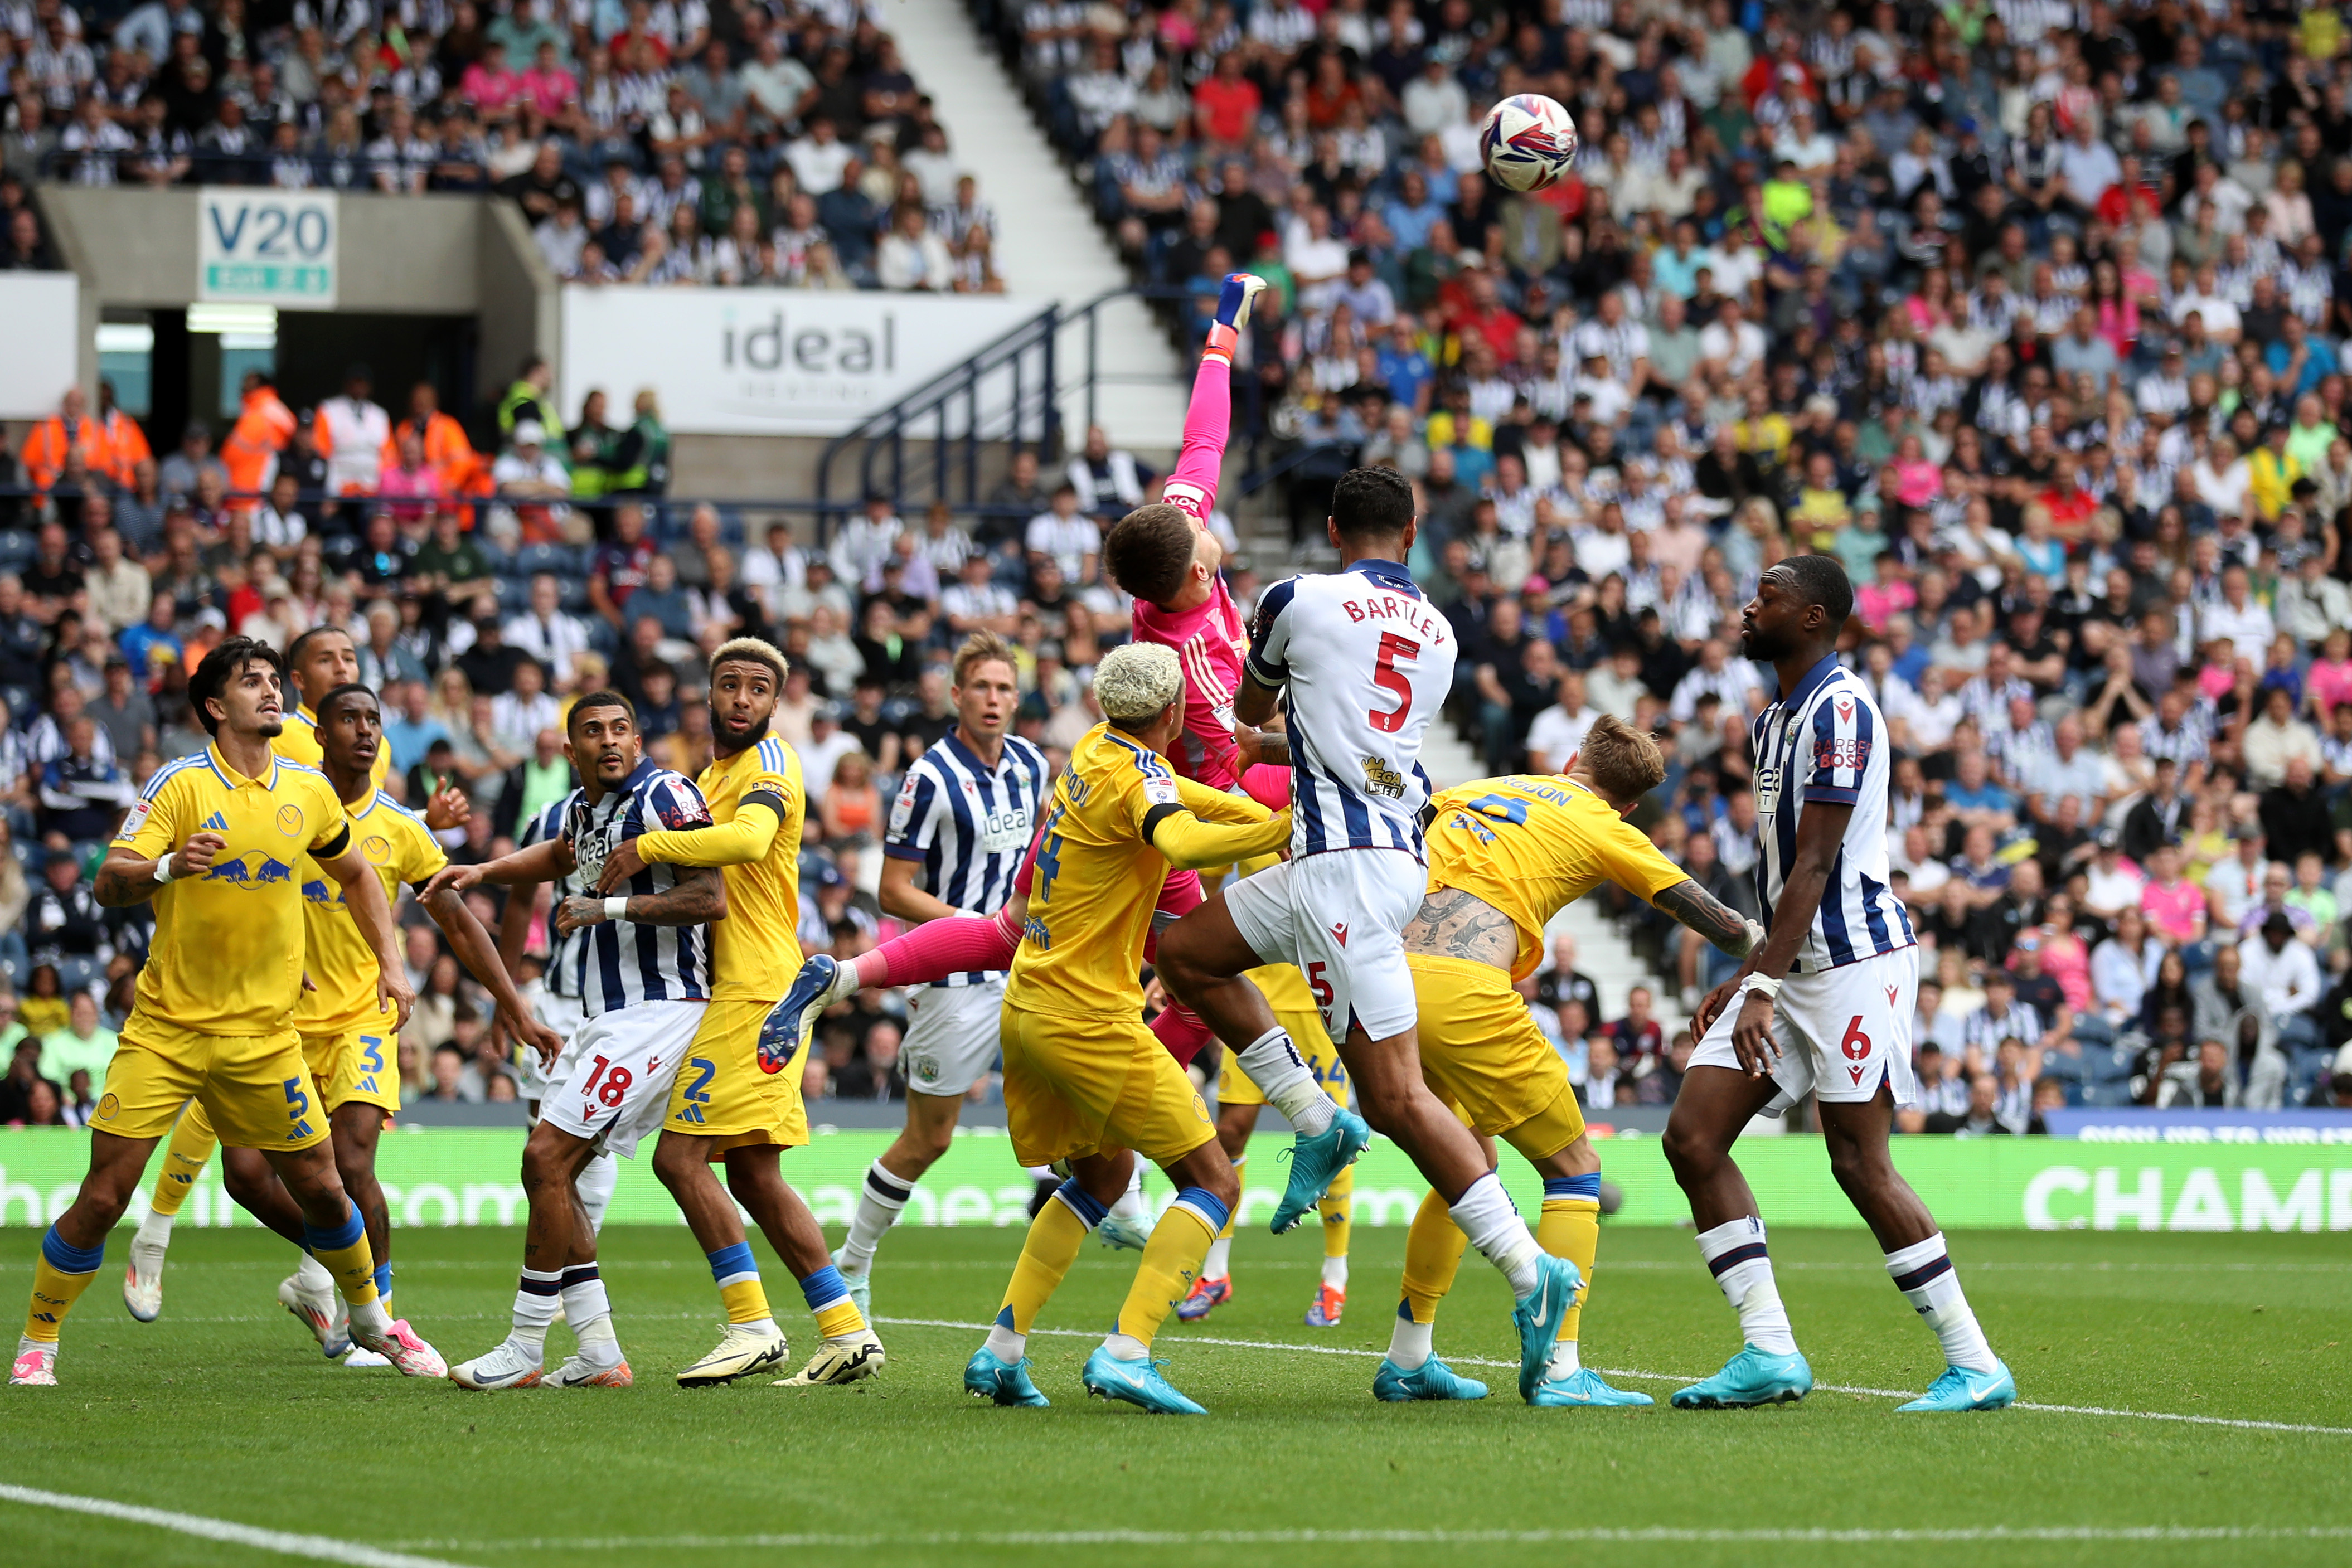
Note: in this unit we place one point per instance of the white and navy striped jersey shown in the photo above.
(620, 962)
(1826, 742)
(563, 975)
(1363, 663)
(968, 825)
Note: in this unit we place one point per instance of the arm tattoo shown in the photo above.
(699, 895)
(1457, 924)
(1274, 748)
(118, 886)
(1695, 908)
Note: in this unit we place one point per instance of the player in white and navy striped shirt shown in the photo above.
(643, 972)
(1823, 1007)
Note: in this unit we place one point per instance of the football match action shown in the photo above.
(1582, 770)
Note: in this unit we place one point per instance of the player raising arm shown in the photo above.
(1505, 856)
(214, 841)
(1084, 1081)
(1824, 1009)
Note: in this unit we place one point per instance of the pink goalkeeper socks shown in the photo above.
(938, 948)
(1179, 1028)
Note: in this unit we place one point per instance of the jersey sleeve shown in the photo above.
(422, 856)
(914, 817)
(332, 834)
(1843, 736)
(156, 824)
(1637, 864)
(1269, 654)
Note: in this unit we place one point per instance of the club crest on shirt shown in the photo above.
(290, 821)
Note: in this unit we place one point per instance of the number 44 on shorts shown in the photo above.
(1856, 1045)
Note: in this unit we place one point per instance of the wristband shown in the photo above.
(1765, 986)
(617, 908)
(163, 870)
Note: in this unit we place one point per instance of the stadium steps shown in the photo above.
(1048, 245)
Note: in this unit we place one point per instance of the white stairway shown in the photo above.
(1049, 248)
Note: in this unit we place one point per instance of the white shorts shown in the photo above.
(1841, 1032)
(566, 1017)
(1341, 918)
(954, 1039)
(611, 1083)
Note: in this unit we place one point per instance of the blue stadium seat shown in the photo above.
(17, 548)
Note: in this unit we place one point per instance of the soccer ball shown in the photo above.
(1528, 141)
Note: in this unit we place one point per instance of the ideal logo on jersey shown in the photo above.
(1768, 791)
(251, 869)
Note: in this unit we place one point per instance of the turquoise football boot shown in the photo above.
(1959, 1389)
(1137, 1382)
(1583, 1387)
(1433, 1379)
(1316, 1163)
(1537, 1319)
(1752, 1377)
(985, 1376)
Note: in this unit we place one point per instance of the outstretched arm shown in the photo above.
(748, 836)
(698, 896)
(1703, 913)
(1192, 487)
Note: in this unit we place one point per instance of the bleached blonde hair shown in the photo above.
(1137, 680)
(755, 651)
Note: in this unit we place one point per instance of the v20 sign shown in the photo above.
(268, 247)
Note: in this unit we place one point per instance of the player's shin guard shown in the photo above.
(828, 1300)
(738, 1278)
(1571, 1228)
(1432, 1255)
(589, 1310)
(1735, 1252)
(594, 1187)
(1052, 1246)
(1486, 1216)
(1282, 1075)
(537, 1294)
(1171, 1263)
(883, 1198)
(1338, 1209)
(60, 1275)
(343, 1250)
(1218, 1263)
(1923, 1272)
(1179, 1028)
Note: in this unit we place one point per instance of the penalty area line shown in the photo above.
(319, 1548)
(1637, 1377)
(1598, 1536)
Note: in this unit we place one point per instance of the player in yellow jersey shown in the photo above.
(1505, 856)
(318, 661)
(347, 1039)
(1239, 1102)
(729, 1106)
(1085, 1081)
(215, 841)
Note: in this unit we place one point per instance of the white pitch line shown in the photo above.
(1639, 1376)
(321, 1547)
(1600, 1536)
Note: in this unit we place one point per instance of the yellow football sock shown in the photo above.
(1172, 1262)
(1052, 1246)
(1337, 1208)
(343, 1252)
(184, 1159)
(827, 1295)
(1235, 1212)
(1433, 1253)
(1571, 1228)
(740, 1289)
(60, 1275)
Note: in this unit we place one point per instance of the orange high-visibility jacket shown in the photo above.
(261, 431)
(126, 448)
(45, 449)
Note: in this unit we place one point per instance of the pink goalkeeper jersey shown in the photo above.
(1210, 640)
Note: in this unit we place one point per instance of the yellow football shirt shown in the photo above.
(1531, 846)
(1097, 878)
(299, 741)
(756, 949)
(227, 954)
(395, 841)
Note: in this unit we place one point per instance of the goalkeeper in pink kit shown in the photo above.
(1201, 622)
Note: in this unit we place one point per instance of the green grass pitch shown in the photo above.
(223, 1409)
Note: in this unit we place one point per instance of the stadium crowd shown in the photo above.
(734, 144)
(2028, 315)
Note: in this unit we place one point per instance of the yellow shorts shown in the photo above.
(1480, 1050)
(356, 1069)
(1294, 1008)
(257, 1090)
(1075, 1086)
(721, 1094)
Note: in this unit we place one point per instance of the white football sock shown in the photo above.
(534, 1308)
(1734, 1251)
(370, 1320)
(155, 1231)
(1923, 1272)
(589, 1311)
(1282, 1075)
(1131, 1204)
(1335, 1271)
(312, 1275)
(1494, 1227)
(1006, 1345)
(594, 1185)
(1410, 1344)
(879, 1205)
(1127, 1347)
(1564, 1361)
(1219, 1262)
